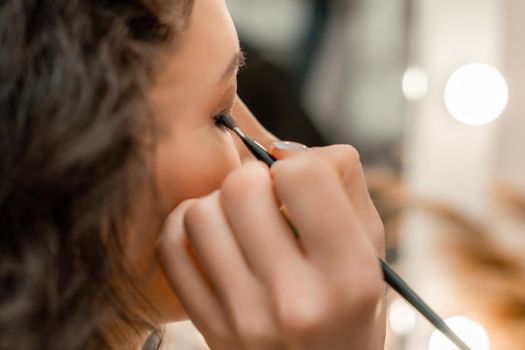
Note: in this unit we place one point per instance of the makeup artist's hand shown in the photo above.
(345, 160)
(244, 280)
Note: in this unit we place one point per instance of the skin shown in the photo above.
(223, 254)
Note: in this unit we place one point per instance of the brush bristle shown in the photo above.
(226, 120)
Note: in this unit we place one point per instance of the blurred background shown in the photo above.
(429, 93)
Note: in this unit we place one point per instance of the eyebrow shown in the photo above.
(238, 61)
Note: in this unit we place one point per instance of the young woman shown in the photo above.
(123, 205)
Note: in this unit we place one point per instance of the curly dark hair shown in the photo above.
(76, 134)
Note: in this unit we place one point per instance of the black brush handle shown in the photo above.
(400, 286)
(258, 151)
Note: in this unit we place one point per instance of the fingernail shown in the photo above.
(289, 146)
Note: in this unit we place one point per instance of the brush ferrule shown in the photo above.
(239, 132)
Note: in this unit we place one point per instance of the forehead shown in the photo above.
(205, 47)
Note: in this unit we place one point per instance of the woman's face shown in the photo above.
(193, 155)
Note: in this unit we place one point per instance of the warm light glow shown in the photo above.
(415, 83)
(401, 317)
(472, 333)
(476, 94)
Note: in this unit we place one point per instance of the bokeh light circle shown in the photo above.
(476, 94)
(472, 333)
(401, 317)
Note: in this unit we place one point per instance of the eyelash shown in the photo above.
(217, 123)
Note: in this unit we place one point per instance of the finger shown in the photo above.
(318, 207)
(216, 249)
(184, 276)
(262, 232)
(346, 160)
(343, 158)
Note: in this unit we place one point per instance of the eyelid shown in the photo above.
(228, 101)
(229, 96)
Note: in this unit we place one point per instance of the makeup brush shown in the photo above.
(389, 275)
(255, 147)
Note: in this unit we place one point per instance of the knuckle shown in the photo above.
(364, 300)
(171, 237)
(219, 334)
(349, 153)
(197, 213)
(303, 316)
(242, 181)
(350, 159)
(256, 331)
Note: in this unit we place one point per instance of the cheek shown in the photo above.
(193, 165)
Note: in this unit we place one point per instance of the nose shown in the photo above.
(249, 124)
